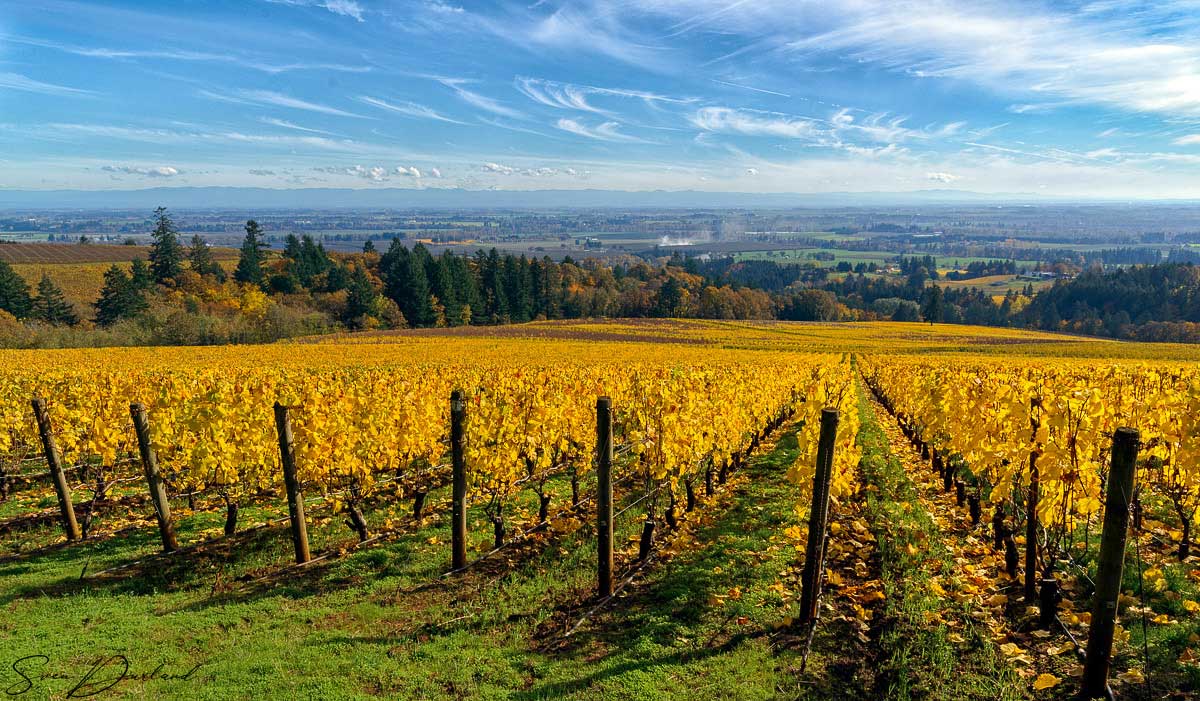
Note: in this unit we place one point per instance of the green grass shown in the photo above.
(918, 659)
(381, 621)
(855, 256)
(1154, 646)
(805, 255)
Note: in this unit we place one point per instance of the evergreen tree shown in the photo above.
(518, 288)
(441, 285)
(418, 309)
(670, 298)
(201, 260)
(406, 283)
(51, 305)
(491, 286)
(361, 300)
(291, 247)
(14, 292)
(306, 259)
(368, 246)
(139, 275)
(932, 304)
(119, 299)
(166, 253)
(251, 257)
(906, 311)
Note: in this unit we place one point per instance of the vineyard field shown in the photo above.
(69, 253)
(333, 524)
(78, 269)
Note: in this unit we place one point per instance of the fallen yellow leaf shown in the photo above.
(1045, 681)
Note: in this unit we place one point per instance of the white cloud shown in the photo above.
(442, 8)
(345, 8)
(1016, 48)
(280, 100)
(184, 55)
(946, 178)
(1189, 140)
(435, 173)
(283, 123)
(754, 123)
(155, 172)
(348, 8)
(877, 127)
(261, 172)
(531, 172)
(596, 29)
(16, 81)
(752, 171)
(483, 102)
(874, 151)
(608, 131)
(409, 109)
(571, 96)
(842, 130)
(750, 87)
(376, 174)
(512, 127)
(557, 95)
(1136, 56)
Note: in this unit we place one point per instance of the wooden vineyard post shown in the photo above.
(158, 492)
(54, 460)
(458, 520)
(814, 555)
(1031, 522)
(1112, 561)
(287, 454)
(1031, 544)
(604, 496)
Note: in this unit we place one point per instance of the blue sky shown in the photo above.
(1077, 99)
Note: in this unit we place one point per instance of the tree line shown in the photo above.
(182, 294)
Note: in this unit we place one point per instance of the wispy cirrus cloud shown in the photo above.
(1138, 56)
(557, 95)
(408, 109)
(843, 129)
(16, 81)
(483, 102)
(174, 54)
(77, 131)
(756, 123)
(750, 88)
(270, 97)
(500, 124)
(284, 124)
(608, 131)
(277, 99)
(345, 8)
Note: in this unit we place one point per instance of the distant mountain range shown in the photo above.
(454, 198)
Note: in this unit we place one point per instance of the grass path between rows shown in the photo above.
(930, 642)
